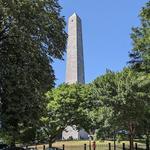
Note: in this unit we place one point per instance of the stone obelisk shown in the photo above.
(74, 68)
(75, 60)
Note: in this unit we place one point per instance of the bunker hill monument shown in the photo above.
(75, 60)
(74, 68)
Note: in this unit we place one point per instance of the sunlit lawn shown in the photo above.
(100, 145)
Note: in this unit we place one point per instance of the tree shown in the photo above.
(130, 101)
(121, 92)
(68, 105)
(140, 55)
(105, 117)
(144, 126)
(140, 60)
(32, 35)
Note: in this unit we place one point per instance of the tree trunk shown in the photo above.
(114, 140)
(131, 142)
(131, 135)
(147, 142)
(50, 143)
(90, 144)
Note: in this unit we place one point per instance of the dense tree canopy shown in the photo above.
(122, 95)
(140, 61)
(68, 105)
(31, 36)
(140, 55)
(104, 117)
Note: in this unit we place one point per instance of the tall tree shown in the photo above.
(140, 60)
(144, 126)
(130, 102)
(105, 118)
(121, 92)
(140, 55)
(32, 35)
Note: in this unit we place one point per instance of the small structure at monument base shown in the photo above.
(72, 133)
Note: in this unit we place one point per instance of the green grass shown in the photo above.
(100, 145)
(77, 143)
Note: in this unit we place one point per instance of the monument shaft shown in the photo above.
(75, 60)
(74, 68)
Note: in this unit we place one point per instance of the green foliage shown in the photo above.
(105, 86)
(140, 55)
(28, 135)
(129, 100)
(68, 105)
(4, 138)
(140, 61)
(122, 93)
(31, 35)
(123, 99)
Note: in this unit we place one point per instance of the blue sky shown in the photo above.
(106, 34)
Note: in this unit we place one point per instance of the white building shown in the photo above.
(72, 133)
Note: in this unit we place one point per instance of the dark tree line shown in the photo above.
(31, 35)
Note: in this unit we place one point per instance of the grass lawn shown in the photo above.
(79, 143)
(100, 145)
